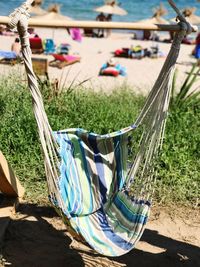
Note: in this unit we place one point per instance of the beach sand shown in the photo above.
(96, 51)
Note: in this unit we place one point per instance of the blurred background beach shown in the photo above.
(94, 52)
(83, 10)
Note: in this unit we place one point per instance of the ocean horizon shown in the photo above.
(83, 10)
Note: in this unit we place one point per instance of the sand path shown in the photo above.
(36, 237)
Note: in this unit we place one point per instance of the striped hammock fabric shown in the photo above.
(93, 171)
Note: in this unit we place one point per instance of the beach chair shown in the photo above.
(61, 61)
(89, 32)
(36, 45)
(63, 49)
(50, 46)
(40, 66)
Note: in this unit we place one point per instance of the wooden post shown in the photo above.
(10, 187)
(9, 184)
(97, 25)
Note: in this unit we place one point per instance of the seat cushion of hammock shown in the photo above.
(92, 168)
(115, 230)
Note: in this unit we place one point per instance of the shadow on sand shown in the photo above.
(37, 239)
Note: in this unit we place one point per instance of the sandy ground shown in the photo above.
(96, 51)
(36, 237)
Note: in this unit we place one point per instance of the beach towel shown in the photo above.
(8, 55)
(115, 70)
(76, 34)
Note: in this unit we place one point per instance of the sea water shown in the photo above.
(83, 9)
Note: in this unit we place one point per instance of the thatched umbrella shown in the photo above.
(157, 17)
(36, 9)
(37, 3)
(190, 16)
(111, 7)
(53, 14)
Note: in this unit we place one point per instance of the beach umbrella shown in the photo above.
(190, 16)
(36, 9)
(37, 2)
(111, 7)
(53, 14)
(157, 17)
(154, 20)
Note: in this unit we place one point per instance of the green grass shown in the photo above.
(179, 165)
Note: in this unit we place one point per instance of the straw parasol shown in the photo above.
(53, 14)
(190, 16)
(111, 7)
(157, 16)
(36, 9)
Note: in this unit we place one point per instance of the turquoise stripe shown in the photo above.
(95, 238)
(119, 159)
(128, 213)
(75, 177)
(70, 188)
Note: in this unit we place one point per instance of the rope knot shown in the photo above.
(16, 16)
(186, 27)
(184, 24)
(19, 20)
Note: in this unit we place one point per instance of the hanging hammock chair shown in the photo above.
(102, 198)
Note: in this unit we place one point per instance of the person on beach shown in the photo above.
(112, 68)
(196, 51)
(16, 47)
(101, 17)
(108, 19)
(2, 29)
(32, 33)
